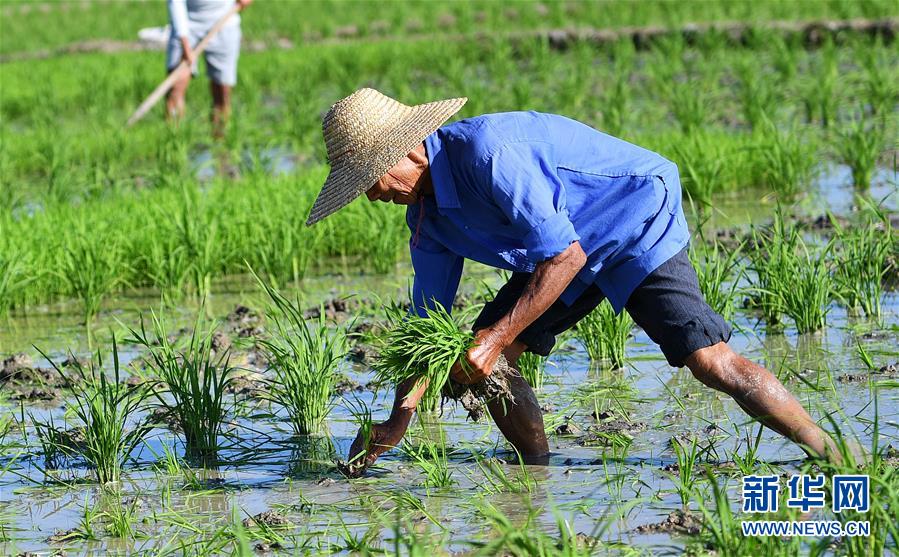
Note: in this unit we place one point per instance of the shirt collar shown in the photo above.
(441, 174)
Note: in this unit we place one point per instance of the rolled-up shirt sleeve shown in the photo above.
(178, 17)
(524, 184)
(437, 274)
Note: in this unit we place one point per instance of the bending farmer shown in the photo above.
(576, 214)
(190, 21)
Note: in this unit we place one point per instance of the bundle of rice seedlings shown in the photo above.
(425, 349)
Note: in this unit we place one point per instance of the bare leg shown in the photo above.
(761, 395)
(221, 107)
(521, 423)
(174, 101)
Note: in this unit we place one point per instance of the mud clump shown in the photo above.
(474, 397)
(677, 522)
(26, 382)
(244, 322)
(610, 430)
(270, 519)
(362, 353)
(251, 385)
(332, 308)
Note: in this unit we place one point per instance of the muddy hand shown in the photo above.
(383, 437)
(480, 359)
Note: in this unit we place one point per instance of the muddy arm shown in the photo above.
(388, 434)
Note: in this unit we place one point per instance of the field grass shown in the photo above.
(49, 25)
(84, 172)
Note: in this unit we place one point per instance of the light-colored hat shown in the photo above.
(366, 134)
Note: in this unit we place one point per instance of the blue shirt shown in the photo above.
(514, 189)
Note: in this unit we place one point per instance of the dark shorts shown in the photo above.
(668, 305)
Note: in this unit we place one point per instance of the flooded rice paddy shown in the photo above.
(612, 474)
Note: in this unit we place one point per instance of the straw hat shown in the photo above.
(366, 134)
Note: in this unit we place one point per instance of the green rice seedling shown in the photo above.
(13, 278)
(702, 162)
(604, 335)
(167, 268)
(198, 235)
(195, 380)
(721, 530)
(748, 462)
(718, 270)
(91, 268)
(361, 414)
(861, 256)
(819, 89)
(787, 159)
(527, 539)
(533, 368)
(430, 457)
(807, 293)
(883, 486)
(303, 358)
(103, 408)
(758, 94)
(864, 356)
(689, 103)
(859, 145)
(686, 464)
(120, 517)
(423, 348)
(495, 479)
(773, 262)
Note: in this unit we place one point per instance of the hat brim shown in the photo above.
(349, 179)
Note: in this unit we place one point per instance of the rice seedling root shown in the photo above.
(475, 397)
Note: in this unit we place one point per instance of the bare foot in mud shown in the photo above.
(384, 436)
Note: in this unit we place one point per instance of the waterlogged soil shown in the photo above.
(612, 432)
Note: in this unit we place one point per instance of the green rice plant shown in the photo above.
(883, 487)
(819, 89)
(361, 414)
(430, 457)
(689, 103)
(861, 255)
(303, 357)
(718, 271)
(864, 356)
(196, 383)
(772, 259)
(702, 162)
(497, 480)
(104, 408)
(807, 291)
(13, 278)
(859, 145)
(604, 335)
(423, 348)
(167, 268)
(120, 517)
(533, 368)
(721, 531)
(198, 234)
(91, 268)
(528, 539)
(758, 94)
(787, 160)
(686, 464)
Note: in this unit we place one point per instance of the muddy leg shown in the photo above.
(221, 107)
(761, 395)
(174, 100)
(521, 423)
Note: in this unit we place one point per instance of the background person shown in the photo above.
(190, 21)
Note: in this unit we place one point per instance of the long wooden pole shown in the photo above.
(179, 70)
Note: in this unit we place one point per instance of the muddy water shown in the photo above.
(268, 470)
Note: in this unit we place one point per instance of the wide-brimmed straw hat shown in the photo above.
(366, 134)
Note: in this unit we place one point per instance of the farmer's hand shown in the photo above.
(187, 53)
(243, 4)
(480, 359)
